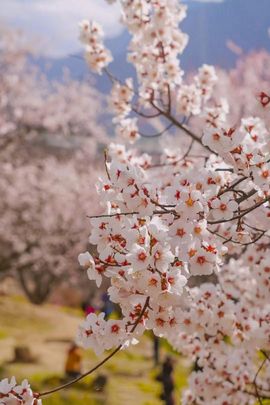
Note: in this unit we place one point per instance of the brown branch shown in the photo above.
(232, 186)
(143, 115)
(242, 214)
(169, 98)
(224, 170)
(174, 163)
(112, 215)
(227, 240)
(255, 381)
(61, 387)
(248, 195)
(160, 112)
(128, 213)
(105, 163)
(178, 124)
(157, 134)
(265, 355)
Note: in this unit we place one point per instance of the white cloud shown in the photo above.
(56, 21)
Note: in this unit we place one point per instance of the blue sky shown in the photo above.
(55, 22)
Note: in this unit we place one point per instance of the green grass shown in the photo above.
(3, 334)
(152, 403)
(181, 378)
(72, 311)
(74, 398)
(150, 387)
(19, 299)
(48, 328)
(13, 318)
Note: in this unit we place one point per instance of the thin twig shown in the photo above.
(255, 379)
(247, 211)
(157, 134)
(105, 163)
(61, 387)
(118, 214)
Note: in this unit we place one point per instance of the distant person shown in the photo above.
(73, 362)
(87, 308)
(156, 343)
(107, 305)
(168, 381)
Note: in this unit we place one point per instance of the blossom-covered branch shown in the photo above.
(202, 210)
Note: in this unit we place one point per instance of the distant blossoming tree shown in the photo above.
(43, 223)
(49, 142)
(243, 85)
(30, 104)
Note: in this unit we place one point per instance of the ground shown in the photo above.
(48, 331)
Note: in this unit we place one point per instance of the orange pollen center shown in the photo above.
(160, 322)
(152, 282)
(220, 314)
(211, 249)
(115, 328)
(216, 137)
(190, 202)
(192, 252)
(142, 256)
(180, 232)
(223, 207)
(201, 260)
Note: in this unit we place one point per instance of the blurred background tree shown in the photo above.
(50, 142)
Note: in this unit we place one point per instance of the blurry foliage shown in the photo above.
(50, 140)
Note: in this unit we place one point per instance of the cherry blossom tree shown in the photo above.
(43, 223)
(244, 84)
(199, 209)
(31, 105)
(50, 140)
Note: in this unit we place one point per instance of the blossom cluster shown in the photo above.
(184, 238)
(96, 54)
(34, 108)
(47, 132)
(12, 393)
(38, 201)
(157, 42)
